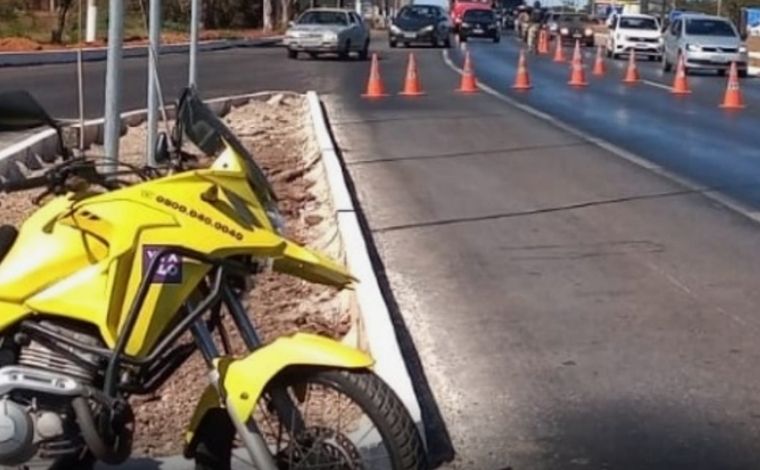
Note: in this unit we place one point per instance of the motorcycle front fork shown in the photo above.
(287, 413)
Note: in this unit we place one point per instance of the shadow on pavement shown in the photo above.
(628, 435)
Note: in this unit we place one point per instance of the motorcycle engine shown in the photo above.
(36, 428)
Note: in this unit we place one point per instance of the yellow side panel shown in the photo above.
(44, 253)
(10, 313)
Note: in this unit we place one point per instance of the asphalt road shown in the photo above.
(689, 136)
(571, 309)
(221, 73)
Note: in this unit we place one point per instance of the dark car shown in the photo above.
(571, 27)
(426, 24)
(479, 23)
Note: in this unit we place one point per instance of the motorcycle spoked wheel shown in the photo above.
(350, 420)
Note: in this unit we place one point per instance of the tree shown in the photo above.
(63, 10)
(267, 15)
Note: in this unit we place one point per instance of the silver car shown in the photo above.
(328, 30)
(706, 43)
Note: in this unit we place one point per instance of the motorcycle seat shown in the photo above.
(8, 234)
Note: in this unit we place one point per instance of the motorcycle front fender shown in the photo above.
(243, 380)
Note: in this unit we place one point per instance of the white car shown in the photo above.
(328, 30)
(635, 33)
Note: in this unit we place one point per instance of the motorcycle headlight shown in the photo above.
(395, 29)
(330, 36)
(564, 31)
(588, 32)
(693, 48)
(742, 49)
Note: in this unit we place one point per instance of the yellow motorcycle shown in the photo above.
(100, 286)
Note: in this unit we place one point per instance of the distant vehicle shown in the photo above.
(706, 43)
(460, 7)
(328, 30)
(479, 23)
(571, 27)
(426, 24)
(635, 33)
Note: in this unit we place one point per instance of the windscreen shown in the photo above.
(323, 17)
(418, 12)
(204, 129)
(705, 27)
(628, 22)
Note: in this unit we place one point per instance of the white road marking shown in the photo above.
(714, 195)
(657, 84)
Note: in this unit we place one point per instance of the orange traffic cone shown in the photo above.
(375, 87)
(680, 83)
(559, 53)
(412, 86)
(599, 68)
(468, 83)
(632, 74)
(733, 98)
(577, 75)
(522, 79)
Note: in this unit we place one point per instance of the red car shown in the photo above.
(460, 7)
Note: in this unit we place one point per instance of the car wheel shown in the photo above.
(407, 44)
(434, 41)
(743, 73)
(447, 42)
(343, 54)
(392, 43)
(496, 39)
(721, 72)
(313, 55)
(608, 51)
(462, 38)
(364, 53)
(292, 54)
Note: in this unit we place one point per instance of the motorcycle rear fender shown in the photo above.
(243, 380)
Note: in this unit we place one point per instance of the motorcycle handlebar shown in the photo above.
(24, 184)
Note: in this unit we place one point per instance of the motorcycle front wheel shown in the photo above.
(348, 419)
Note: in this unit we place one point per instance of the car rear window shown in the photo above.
(638, 23)
(707, 27)
(478, 15)
(573, 19)
(323, 17)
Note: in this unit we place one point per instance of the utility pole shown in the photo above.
(112, 125)
(194, 25)
(92, 20)
(720, 5)
(154, 48)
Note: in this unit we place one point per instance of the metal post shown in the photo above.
(153, 55)
(194, 25)
(720, 4)
(112, 126)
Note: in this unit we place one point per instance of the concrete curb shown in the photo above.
(19, 59)
(375, 314)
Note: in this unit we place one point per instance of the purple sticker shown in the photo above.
(169, 269)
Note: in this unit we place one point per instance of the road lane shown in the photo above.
(619, 335)
(689, 136)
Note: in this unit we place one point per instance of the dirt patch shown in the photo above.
(278, 131)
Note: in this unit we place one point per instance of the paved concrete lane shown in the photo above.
(618, 334)
(688, 136)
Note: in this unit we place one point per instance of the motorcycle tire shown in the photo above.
(364, 389)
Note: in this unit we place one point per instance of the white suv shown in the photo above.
(638, 33)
